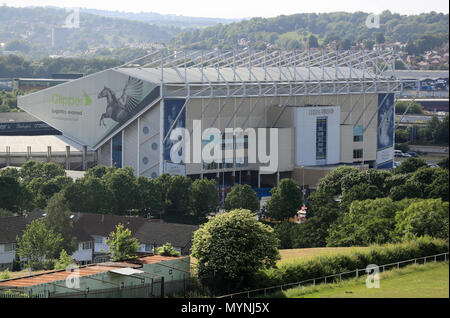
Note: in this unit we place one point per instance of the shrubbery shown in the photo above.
(299, 270)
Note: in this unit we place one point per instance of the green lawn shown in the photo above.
(415, 281)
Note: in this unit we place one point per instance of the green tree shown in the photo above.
(38, 243)
(150, 200)
(410, 165)
(57, 220)
(10, 194)
(332, 182)
(424, 217)
(89, 194)
(167, 250)
(122, 245)
(64, 261)
(242, 197)
(286, 200)
(312, 41)
(359, 192)
(231, 248)
(121, 183)
(367, 222)
(204, 197)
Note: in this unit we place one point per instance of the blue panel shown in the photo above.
(171, 109)
(117, 150)
(385, 121)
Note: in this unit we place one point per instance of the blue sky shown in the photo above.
(244, 8)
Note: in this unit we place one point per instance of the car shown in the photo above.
(397, 163)
(406, 155)
(413, 154)
(398, 153)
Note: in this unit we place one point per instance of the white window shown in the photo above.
(87, 245)
(9, 247)
(149, 248)
(98, 240)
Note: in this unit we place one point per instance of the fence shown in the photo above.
(333, 278)
(9, 293)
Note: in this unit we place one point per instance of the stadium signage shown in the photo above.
(58, 99)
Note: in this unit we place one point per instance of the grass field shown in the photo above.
(305, 253)
(415, 281)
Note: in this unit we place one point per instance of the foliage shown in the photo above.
(5, 274)
(5, 213)
(367, 222)
(360, 192)
(242, 197)
(204, 197)
(443, 163)
(121, 183)
(414, 108)
(285, 201)
(332, 182)
(425, 31)
(122, 245)
(10, 194)
(299, 270)
(64, 261)
(426, 217)
(38, 243)
(149, 192)
(231, 247)
(167, 250)
(411, 164)
(57, 220)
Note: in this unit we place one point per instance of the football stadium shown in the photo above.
(328, 108)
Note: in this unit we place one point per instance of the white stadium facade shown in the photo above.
(330, 108)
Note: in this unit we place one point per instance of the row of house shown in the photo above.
(91, 231)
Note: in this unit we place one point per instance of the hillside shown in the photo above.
(162, 19)
(293, 31)
(29, 30)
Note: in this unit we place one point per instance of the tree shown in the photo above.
(64, 261)
(359, 192)
(167, 250)
(122, 245)
(332, 182)
(204, 197)
(424, 217)
(410, 165)
(367, 222)
(312, 41)
(407, 190)
(121, 183)
(38, 243)
(231, 248)
(10, 194)
(286, 200)
(150, 201)
(443, 163)
(242, 197)
(322, 211)
(89, 194)
(379, 38)
(57, 220)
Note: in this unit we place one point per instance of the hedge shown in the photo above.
(323, 265)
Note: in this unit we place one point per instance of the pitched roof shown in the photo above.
(104, 224)
(179, 235)
(10, 228)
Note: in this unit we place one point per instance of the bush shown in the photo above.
(64, 261)
(299, 270)
(5, 274)
(167, 250)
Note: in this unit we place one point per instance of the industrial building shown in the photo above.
(329, 108)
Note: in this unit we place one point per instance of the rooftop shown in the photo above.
(87, 270)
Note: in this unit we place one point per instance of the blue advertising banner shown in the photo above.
(171, 109)
(385, 134)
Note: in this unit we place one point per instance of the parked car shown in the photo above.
(397, 163)
(413, 154)
(398, 153)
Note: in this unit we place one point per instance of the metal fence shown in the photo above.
(10, 293)
(334, 277)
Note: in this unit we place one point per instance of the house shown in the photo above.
(91, 231)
